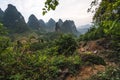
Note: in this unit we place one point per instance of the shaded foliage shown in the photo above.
(66, 44)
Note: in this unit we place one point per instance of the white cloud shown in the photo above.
(68, 9)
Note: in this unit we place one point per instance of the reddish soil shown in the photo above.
(87, 72)
(92, 46)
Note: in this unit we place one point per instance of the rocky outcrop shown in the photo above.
(42, 23)
(1, 15)
(60, 22)
(50, 25)
(66, 27)
(33, 23)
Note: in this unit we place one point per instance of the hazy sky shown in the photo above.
(68, 9)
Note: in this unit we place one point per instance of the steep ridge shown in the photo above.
(1, 15)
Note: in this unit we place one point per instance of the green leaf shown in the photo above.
(44, 12)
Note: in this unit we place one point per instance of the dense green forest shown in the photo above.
(35, 55)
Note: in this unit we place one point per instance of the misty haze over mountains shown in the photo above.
(15, 23)
(84, 28)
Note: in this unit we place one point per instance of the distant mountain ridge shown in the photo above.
(67, 26)
(15, 23)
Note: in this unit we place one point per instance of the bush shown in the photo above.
(92, 59)
(66, 44)
(113, 56)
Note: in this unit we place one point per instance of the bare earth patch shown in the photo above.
(87, 72)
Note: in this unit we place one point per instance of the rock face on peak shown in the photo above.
(42, 24)
(33, 23)
(60, 22)
(58, 25)
(14, 21)
(66, 27)
(50, 25)
(1, 15)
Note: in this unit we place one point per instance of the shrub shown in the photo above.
(66, 44)
(92, 59)
(4, 43)
(37, 46)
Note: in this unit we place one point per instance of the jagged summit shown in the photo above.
(51, 20)
(33, 22)
(11, 8)
(33, 17)
(51, 25)
(60, 22)
(42, 23)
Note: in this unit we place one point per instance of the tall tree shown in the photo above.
(108, 15)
